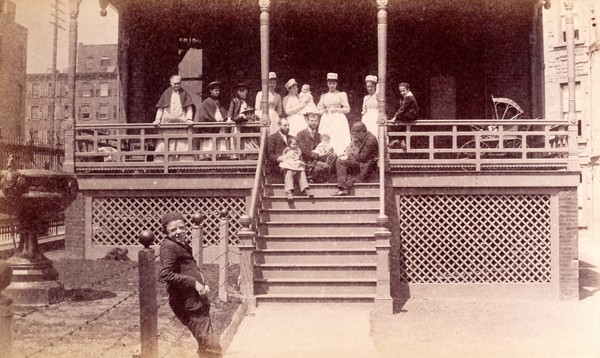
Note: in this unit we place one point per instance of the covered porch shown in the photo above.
(461, 161)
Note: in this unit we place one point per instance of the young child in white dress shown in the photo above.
(293, 166)
(324, 147)
(306, 96)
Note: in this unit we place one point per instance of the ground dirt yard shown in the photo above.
(100, 314)
(451, 328)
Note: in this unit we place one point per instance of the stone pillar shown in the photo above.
(381, 84)
(264, 59)
(246, 246)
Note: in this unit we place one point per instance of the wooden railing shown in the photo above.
(478, 145)
(132, 147)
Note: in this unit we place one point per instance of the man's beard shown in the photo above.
(284, 131)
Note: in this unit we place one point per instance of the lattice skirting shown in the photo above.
(117, 221)
(479, 238)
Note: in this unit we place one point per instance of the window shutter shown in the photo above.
(109, 91)
(97, 92)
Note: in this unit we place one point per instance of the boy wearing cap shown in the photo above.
(185, 284)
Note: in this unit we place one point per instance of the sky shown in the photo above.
(36, 15)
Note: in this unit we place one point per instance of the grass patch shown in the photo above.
(99, 316)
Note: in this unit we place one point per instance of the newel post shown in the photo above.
(223, 254)
(383, 299)
(246, 246)
(147, 293)
(197, 238)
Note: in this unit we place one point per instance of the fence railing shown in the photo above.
(31, 156)
(479, 145)
(172, 147)
(472, 145)
(9, 231)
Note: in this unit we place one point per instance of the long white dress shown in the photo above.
(335, 124)
(370, 113)
(274, 109)
(297, 121)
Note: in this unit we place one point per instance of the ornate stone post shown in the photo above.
(264, 59)
(246, 246)
(573, 162)
(382, 63)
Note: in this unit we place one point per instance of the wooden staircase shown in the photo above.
(319, 249)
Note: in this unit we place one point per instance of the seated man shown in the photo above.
(319, 167)
(276, 143)
(360, 160)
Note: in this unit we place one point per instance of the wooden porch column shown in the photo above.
(383, 299)
(573, 163)
(246, 246)
(264, 59)
(68, 164)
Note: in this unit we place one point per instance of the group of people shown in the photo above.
(308, 141)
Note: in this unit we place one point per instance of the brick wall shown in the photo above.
(74, 227)
(568, 245)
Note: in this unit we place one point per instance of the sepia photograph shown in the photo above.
(299, 178)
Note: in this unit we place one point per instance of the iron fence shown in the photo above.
(31, 155)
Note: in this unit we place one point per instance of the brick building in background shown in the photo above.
(13, 59)
(587, 92)
(97, 99)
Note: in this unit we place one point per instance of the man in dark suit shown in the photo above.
(276, 143)
(318, 167)
(360, 162)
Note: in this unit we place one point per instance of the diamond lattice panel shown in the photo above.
(118, 221)
(475, 238)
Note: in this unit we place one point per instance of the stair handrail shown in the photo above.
(255, 196)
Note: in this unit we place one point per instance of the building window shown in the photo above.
(86, 89)
(50, 112)
(114, 112)
(35, 90)
(35, 112)
(103, 111)
(104, 61)
(50, 93)
(103, 89)
(89, 62)
(84, 112)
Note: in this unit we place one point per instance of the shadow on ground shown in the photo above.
(87, 294)
(589, 280)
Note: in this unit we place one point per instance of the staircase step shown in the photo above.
(323, 242)
(313, 228)
(354, 216)
(315, 286)
(285, 300)
(322, 271)
(315, 256)
(325, 190)
(324, 203)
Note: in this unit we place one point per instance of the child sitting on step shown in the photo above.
(293, 166)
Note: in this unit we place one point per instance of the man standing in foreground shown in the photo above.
(185, 285)
(361, 162)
